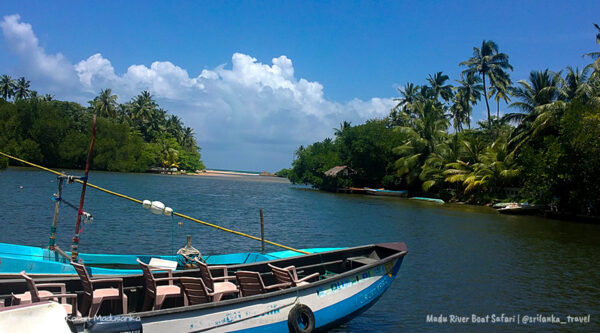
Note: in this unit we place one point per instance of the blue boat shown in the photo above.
(439, 201)
(39, 262)
(383, 192)
(345, 283)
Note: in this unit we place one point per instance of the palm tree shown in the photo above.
(408, 95)
(105, 104)
(187, 140)
(432, 172)
(460, 111)
(574, 83)
(33, 95)
(7, 87)
(48, 97)
(470, 92)
(539, 99)
(436, 81)
(338, 132)
(175, 127)
(495, 167)
(142, 107)
(425, 134)
(595, 55)
(22, 89)
(541, 89)
(500, 88)
(487, 61)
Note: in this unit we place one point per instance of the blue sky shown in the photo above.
(257, 79)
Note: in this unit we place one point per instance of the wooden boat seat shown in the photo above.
(34, 295)
(94, 297)
(289, 276)
(156, 294)
(251, 283)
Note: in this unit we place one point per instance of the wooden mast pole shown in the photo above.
(75, 245)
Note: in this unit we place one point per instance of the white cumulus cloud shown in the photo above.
(246, 114)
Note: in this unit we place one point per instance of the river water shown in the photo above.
(462, 260)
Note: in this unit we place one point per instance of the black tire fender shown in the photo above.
(301, 319)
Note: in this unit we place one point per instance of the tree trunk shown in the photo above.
(498, 109)
(487, 104)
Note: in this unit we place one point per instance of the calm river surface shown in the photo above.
(462, 260)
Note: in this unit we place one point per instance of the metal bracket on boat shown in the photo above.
(70, 178)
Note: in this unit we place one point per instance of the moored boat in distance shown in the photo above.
(439, 201)
(384, 192)
(516, 208)
(349, 281)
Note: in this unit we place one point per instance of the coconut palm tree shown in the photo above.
(595, 55)
(495, 167)
(187, 141)
(439, 89)
(105, 104)
(487, 61)
(574, 83)
(460, 111)
(338, 132)
(7, 87)
(48, 97)
(425, 134)
(432, 172)
(500, 89)
(175, 127)
(538, 98)
(408, 95)
(469, 92)
(22, 89)
(542, 89)
(142, 107)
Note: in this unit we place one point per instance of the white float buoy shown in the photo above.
(157, 207)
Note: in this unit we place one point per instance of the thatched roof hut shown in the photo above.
(343, 169)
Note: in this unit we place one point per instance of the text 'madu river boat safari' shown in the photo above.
(292, 290)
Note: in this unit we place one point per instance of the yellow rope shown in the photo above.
(139, 201)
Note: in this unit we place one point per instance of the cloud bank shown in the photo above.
(248, 115)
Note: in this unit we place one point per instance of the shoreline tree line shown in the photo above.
(131, 137)
(545, 150)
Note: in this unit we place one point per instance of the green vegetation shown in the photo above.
(134, 136)
(547, 148)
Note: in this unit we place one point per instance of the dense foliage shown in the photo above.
(546, 150)
(134, 136)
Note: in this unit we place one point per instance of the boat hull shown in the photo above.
(332, 301)
(351, 280)
(386, 193)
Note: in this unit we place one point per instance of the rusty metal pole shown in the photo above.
(262, 232)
